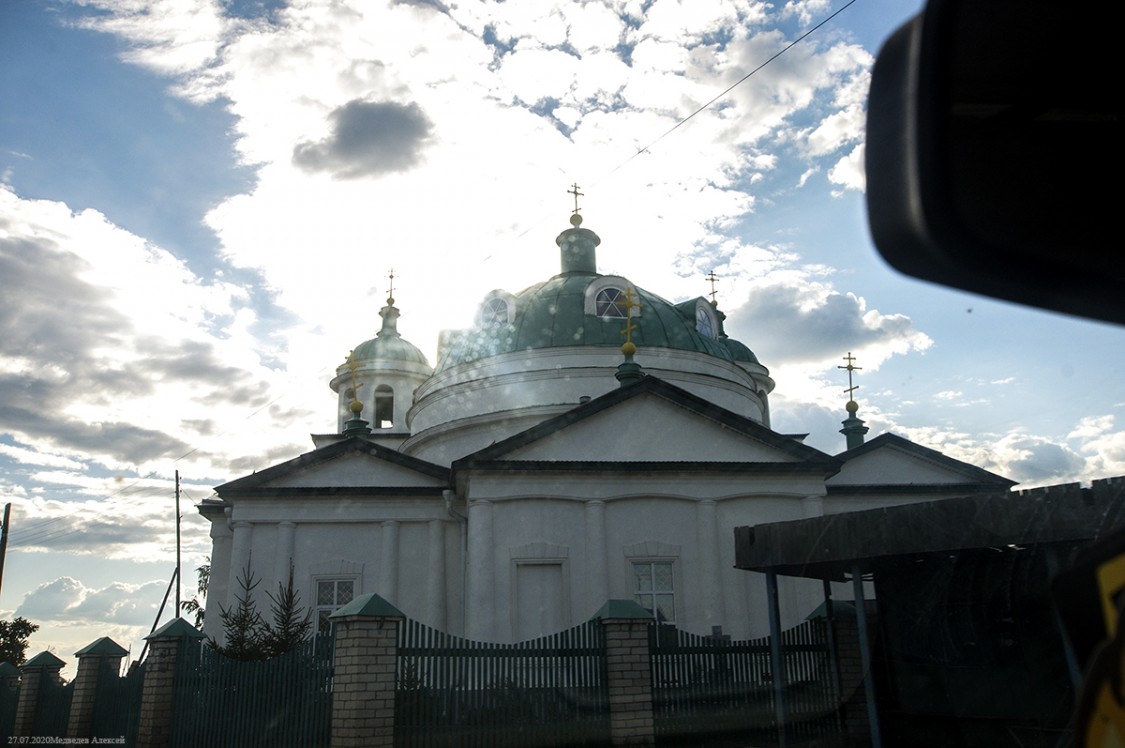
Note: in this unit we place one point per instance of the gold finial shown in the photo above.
(628, 347)
(852, 406)
(713, 279)
(355, 406)
(391, 288)
(575, 218)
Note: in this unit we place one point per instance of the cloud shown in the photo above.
(799, 320)
(369, 138)
(66, 599)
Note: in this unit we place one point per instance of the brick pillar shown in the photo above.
(629, 672)
(101, 655)
(154, 730)
(363, 683)
(40, 667)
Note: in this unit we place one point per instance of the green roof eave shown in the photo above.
(621, 610)
(8, 670)
(177, 629)
(104, 647)
(369, 605)
(44, 659)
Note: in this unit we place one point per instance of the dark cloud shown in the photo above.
(57, 326)
(774, 324)
(67, 599)
(1035, 460)
(368, 138)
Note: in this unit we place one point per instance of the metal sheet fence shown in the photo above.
(707, 687)
(544, 692)
(117, 706)
(283, 702)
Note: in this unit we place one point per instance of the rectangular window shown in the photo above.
(331, 595)
(654, 589)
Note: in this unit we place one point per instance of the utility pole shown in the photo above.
(4, 539)
(177, 542)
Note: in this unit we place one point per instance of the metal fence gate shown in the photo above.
(707, 687)
(544, 692)
(283, 702)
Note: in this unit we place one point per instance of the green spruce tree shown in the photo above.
(243, 627)
(291, 625)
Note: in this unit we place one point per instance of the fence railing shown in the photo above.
(283, 702)
(545, 692)
(710, 686)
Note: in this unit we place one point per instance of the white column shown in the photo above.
(221, 538)
(597, 566)
(710, 588)
(436, 603)
(388, 567)
(482, 560)
(239, 558)
(283, 554)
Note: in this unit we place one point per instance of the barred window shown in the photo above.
(654, 589)
(610, 302)
(331, 595)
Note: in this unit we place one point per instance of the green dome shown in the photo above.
(552, 314)
(388, 345)
(389, 349)
(739, 352)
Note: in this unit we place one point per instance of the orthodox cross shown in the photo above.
(630, 305)
(574, 191)
(850, 368)
(391, 287)
(713, 279)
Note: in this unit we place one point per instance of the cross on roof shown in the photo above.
(391, 287)
(850, 368)
(574, 191)
(713, 279)
(630, 305)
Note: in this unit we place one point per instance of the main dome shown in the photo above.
(559, 312)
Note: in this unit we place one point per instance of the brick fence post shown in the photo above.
(853, 678)
(40, 667)
(629, 672)
(103, 654)
(363, 681)
(154, 730)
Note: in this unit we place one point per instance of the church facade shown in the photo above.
(542, 467)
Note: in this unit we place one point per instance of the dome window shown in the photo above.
(384, 407)
(610, 302)
(495, 313)
(704, 325)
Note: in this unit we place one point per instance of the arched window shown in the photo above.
(495, 312)
(610, 302)
(384, 407)
(704, 325)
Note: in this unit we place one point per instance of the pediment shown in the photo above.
(650, 422)
(892, 460)
(354, 463)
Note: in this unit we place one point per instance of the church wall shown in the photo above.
(891, 465)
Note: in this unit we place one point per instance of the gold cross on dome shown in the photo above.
(630, 305)
(850, 368)
(574, 191)
(713, 279)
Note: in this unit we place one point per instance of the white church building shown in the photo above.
(545, 464)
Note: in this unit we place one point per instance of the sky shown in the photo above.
(200, 203)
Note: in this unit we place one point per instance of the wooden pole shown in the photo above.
(777, 663)
(865, 655)
(178, 544)
(4, 540)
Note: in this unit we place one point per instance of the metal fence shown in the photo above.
(544, 692)
(283, 702)
(708, 687)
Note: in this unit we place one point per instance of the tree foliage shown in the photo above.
(249, 636)
(196, 604)
(13, 639)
